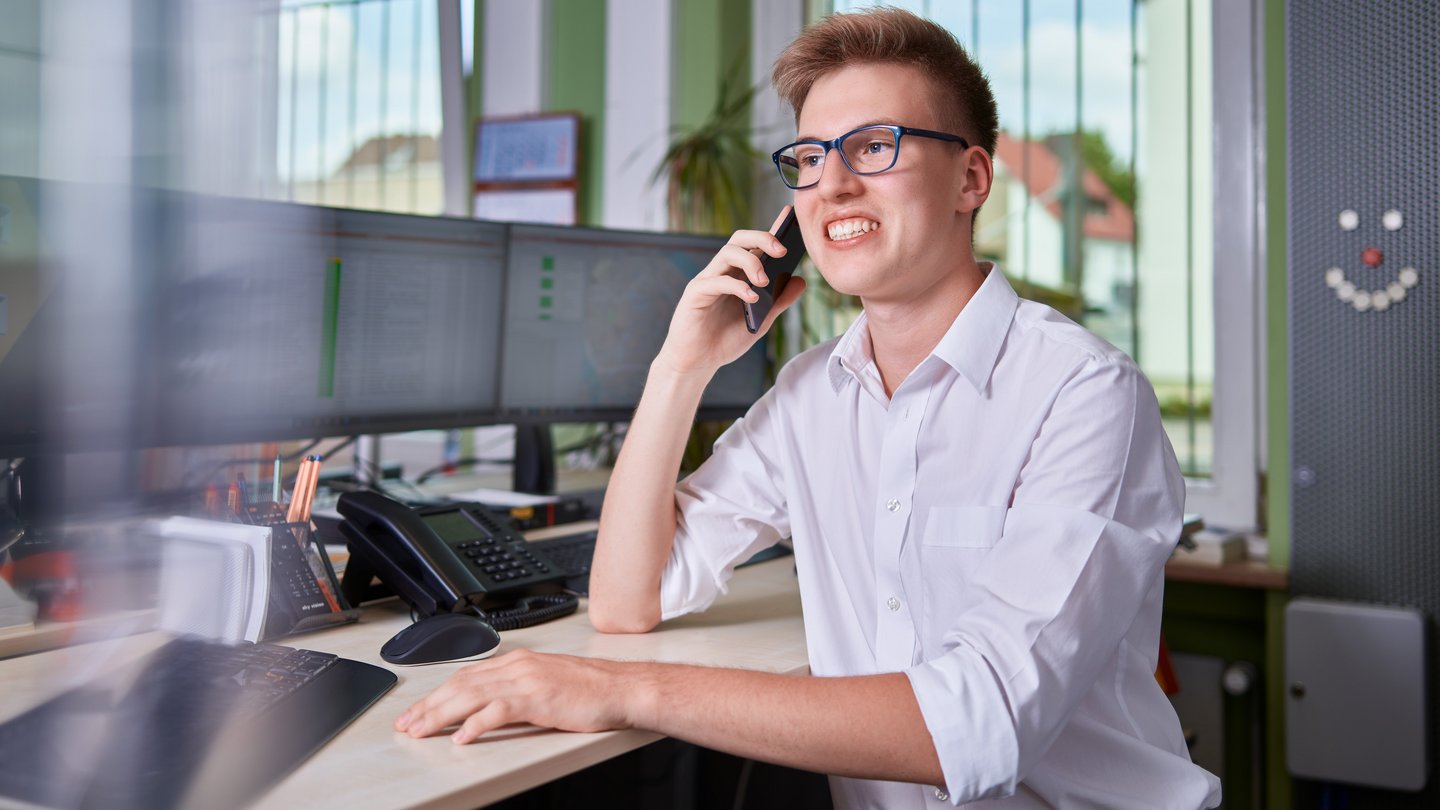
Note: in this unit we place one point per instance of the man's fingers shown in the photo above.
(793, 289)
(721, 286)
(734, 257)
(784, 212)
(443, 711)
(494, 715)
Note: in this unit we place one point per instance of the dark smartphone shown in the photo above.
(777, 271)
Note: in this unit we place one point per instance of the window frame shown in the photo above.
(1230, 497)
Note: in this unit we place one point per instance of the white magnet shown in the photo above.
(1409, 277)
(1361, 301)
(1392, 220)
(1396, 291)
(1380, 300)
(1334, 277)
(1349, 220)
(1346, 291)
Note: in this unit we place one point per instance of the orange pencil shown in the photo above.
(293, 514)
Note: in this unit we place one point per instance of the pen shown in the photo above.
(244, 490)
(314, 484)
(293, 514)
(276, 485)
(232, 499)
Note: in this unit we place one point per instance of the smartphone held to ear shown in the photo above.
(777, 272)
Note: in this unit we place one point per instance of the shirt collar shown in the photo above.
(970, 346)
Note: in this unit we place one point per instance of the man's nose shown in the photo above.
(836, 179)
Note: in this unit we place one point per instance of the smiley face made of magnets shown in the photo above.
(1381, 298)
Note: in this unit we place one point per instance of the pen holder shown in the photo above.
(304, 592)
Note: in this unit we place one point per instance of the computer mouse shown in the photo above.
(440, 639)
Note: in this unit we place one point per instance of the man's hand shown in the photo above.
(868, 727)
(708, 330)
(551, 691)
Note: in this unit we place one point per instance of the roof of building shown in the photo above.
(1114, 221)
(396, 151)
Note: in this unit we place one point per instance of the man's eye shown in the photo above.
(876, 147)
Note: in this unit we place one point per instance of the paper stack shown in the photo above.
(1214, 546)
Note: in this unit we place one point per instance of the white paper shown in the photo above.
(544, 206)
(501, 497)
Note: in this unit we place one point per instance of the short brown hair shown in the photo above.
(893, 36)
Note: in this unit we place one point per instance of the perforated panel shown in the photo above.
(1364, 137)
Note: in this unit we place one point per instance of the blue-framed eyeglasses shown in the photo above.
(867, 150)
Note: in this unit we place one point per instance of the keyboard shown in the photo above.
(573, 554)
(203, 724)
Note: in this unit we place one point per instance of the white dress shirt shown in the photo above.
(997, 531)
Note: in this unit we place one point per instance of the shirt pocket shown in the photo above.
(953, 548)
(968, 527)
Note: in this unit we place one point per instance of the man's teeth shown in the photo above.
(848, 228)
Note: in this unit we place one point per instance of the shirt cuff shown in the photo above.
(969, 724)
(688, 584)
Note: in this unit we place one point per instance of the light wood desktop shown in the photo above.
(757, 625)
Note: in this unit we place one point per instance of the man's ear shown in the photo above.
(974, 187)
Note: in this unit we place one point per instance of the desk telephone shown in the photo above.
(455, 558)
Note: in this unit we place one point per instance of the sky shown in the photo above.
(999, 28)
(344, 38)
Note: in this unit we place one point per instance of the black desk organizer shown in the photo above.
(304, 592)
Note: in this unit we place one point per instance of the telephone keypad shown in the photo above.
(498, 553)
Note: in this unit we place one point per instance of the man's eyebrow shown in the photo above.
(872, 123)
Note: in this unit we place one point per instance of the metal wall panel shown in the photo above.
(1363, 127)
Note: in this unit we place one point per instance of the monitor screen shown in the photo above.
(288, 321)
(24, 287)
(586, 311)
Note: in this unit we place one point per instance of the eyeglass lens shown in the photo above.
(866, 151)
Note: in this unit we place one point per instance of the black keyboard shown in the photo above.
(573, 554)
(204, 724)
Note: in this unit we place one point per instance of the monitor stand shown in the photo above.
(533, 469)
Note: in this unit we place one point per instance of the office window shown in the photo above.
(19, 90)
(358, 109)
(1102, 204)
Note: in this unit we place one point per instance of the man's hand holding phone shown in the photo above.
(708, 330)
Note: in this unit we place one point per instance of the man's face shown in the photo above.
(922, 232)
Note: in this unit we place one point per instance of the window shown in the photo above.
(1106, 198)
(20, 89)
(358, 107)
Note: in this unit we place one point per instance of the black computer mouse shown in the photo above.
(442, 638)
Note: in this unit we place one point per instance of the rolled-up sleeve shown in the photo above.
(1093, 517)
(733, 506)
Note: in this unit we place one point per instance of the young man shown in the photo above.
(979, 492)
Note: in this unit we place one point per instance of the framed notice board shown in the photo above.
(527, 168)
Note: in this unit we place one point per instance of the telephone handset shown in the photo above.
(449, 559)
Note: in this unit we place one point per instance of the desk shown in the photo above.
(1243, 574)
(757, 625)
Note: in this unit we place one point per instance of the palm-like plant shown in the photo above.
(707, 166)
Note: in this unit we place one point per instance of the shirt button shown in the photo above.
(893, 505)
(893, 603)
(942, 795)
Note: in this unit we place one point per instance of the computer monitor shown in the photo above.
(586, 311)
(24, 287)
(287, 321)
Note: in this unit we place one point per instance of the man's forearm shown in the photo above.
(868, 727)
(637, 524)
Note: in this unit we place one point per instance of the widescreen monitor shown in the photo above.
(24, 288)
(287, 321)
(586, 311)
